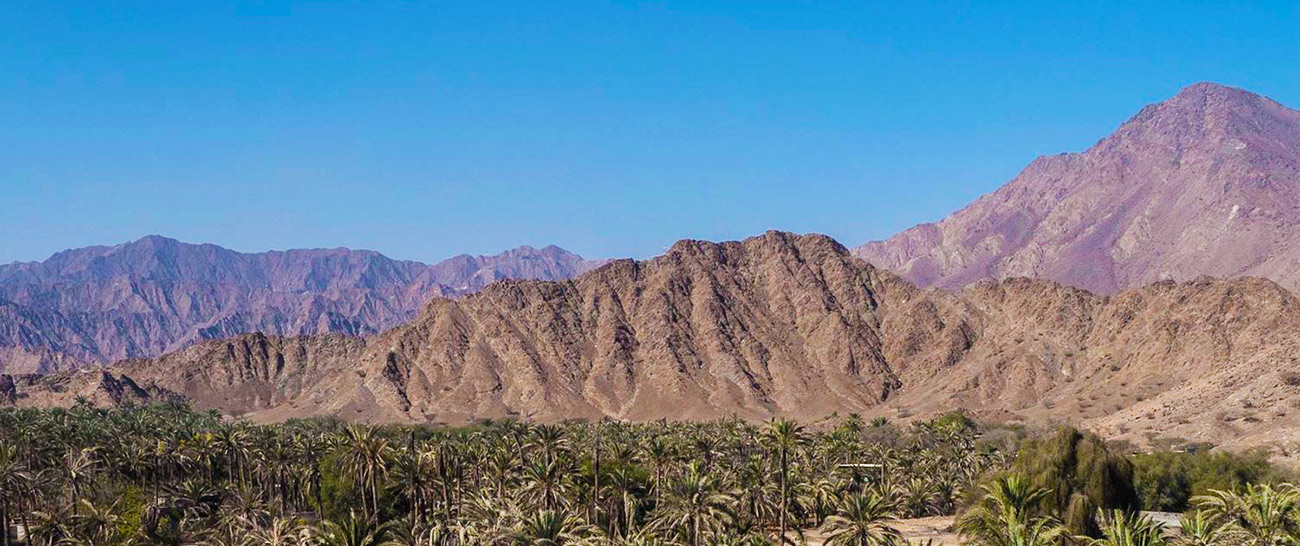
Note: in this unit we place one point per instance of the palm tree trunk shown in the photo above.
(4, 524)
(25, 514)
(27, 526)
(315, 478)
(658, 485)
(595, 474)
(783, 494)
(374, 496)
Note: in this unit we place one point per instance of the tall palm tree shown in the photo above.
(658, 454)
(50, 528)
(550, 441)
(278, 532)
(1120, 528)
(1010, 515)
(546, 484)
(95, 525)
(232, 443)
(413, 473)
(14, 483)
(784, 437)
(695, 505)
(1265, 515)
(1199, 528)
(79, 467)
(862, 520)
(353, 530)
(625, 481)
(365, 454)
(552, 528)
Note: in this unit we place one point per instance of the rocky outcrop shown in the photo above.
(157, 295)
(1206, 183)
(778, 324)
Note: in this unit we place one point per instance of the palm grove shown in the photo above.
(163, 474)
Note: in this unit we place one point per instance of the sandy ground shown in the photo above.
(938, 529)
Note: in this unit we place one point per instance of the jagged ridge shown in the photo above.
(776, 325)
(155, 295)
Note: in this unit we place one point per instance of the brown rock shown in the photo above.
(775, 325)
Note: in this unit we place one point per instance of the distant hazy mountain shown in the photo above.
(1206, 183)
(154, 295)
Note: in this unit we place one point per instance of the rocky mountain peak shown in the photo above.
(1205, 183)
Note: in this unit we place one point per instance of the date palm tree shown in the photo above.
(546, 485)
(550, 441)
(365, 454)
(95, 525)
(413, 473)
(1265, 515)
(14, 483)
(1010, 515)
(353, 530)
(552, 528)
(79, 467)
(695, 505)
(1199, 528)
(862, 520)
(918, 497)
(278, 531)
(784, 437)
(232, 442)
(659, 455)
(50, 528)
(1120, 528)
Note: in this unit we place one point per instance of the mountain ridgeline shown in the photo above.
(778, 324)
(1206, 183)
(155, 295)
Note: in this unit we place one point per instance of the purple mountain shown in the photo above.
(1205, 183)
(156, 295)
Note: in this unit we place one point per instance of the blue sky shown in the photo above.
(427, 129)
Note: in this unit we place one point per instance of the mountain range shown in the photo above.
(1142, 288)
(1206, 183)
(778, 324)
(148, 297)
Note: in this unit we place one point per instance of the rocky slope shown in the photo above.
(1206, 183)
(155, 295)
(775, 325)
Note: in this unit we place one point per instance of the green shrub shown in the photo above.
(1166, 481)
(1081, 474)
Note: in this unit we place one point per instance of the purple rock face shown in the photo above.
(155, 295)
(1206, 183)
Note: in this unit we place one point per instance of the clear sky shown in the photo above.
(427, 129)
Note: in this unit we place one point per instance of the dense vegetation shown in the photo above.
(166, 475)
(1168, 481)
(1080, 476)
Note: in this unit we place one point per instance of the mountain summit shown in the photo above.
(1205, 183)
